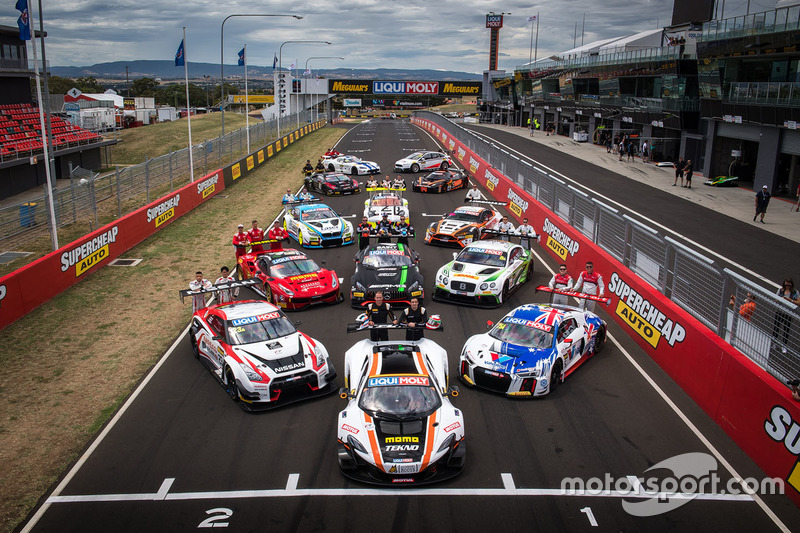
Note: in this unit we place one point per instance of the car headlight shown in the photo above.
(288, 292)
(529, 373)
(445, 280)
(360, 286)
(251, 374)
(335, 282)
(484, 286)
(320, 357)
(493, 285)
(414, 286)
(353, 442)
(447, 443)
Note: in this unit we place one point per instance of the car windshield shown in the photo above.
(523, 333)
(318, 213)
(464, 217)
(259, 328)
(389, 396)
(294, 268)
(482, 256)
(385, 258)
(416, 155)
(384, 201)
(334, 179)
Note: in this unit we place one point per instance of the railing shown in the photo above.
(698, 284)
(117, 193)
(661, 53)
(777, 20)
(773, 93)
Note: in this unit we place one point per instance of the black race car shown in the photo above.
(389, 267)
(332, 184)
(441, 181)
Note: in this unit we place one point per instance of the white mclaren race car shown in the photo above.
(399, 427)
(484, 273)
(389, 202)
(256, 353)
(426, 161)
(350, 164)
(316, 226)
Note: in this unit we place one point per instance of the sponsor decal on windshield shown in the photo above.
(529, 323)
(485, 251)
(386, 252)
(254, 319)
(398, 380)
(284, 259)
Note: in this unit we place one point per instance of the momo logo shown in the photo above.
(397, 440)
(491, 180)
(473, 164)
(461, 154)
(558, 241)
(402, 447)
(163, 211)
(517, 204)
(644, 317)
(90, 253)
(207, 187)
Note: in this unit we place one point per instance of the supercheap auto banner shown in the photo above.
(34, 284)
(750, 405)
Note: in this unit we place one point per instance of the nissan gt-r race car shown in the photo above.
(462, 226)
(388, 267)
(316, 226)
(532, 349)
(441, 181)
(484, 273)
(332, 184)
(383, 201)
(423, 161)
(256, 353)
(290, 279)
(399, 427)
(350, 164)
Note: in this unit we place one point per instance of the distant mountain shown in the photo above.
(167, 70)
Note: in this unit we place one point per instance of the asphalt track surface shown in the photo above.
(182, 456)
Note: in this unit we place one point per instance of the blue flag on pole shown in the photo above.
(275, 62)
(180, 59)
(22, 21)
(241, 57)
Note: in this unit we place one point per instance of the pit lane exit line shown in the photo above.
(291, 491)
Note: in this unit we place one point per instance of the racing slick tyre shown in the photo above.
(354, 171)
(345, 461)
(193, 342)
(529, 273)
(449, 184)
(415, 168)
(505, 293)
(331, 169)
(231, 387)
(268, 292)
(555, 376)
(600, 341)
(444, 166)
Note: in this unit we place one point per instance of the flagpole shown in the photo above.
(48, 176)
(246, 101)
(530, 50)
(536, 49)
(297, 99)
(188, 106)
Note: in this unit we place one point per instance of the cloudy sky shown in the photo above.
(408, 34)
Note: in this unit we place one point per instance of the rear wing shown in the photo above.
(221, 287)
(355, 327)
(488, 202)
(311, 200)
(269, 241)
(516, 234)
(376, 190)
(582, 295)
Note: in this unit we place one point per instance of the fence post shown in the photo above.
(170, 171)
(72, 193)
(94, 204)
(147, 177)
(119, 196)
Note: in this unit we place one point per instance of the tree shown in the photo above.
(175, 95)
(144, 87)
(59, 85)
(89, 85)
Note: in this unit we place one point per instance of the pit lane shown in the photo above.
(183, 456)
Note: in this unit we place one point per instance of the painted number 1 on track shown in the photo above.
(590, 515)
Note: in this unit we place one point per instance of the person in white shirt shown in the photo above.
(305, 196)
(225, 295)
(592, 283)
(562, 281)
(473, 194)
(527, 232)
(372, 183)
(386, 183)
(199, 283)
(288, 197)
(398, 183)
(505, 228)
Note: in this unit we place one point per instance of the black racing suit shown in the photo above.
(380, 315)
(420, 316)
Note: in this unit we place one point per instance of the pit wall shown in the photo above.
(753, 408)
(25, 289)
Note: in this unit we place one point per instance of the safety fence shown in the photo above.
(114, 194)
(763, 326)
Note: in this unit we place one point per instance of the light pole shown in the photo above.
(309, 59)
(221, 57)
(280, 72)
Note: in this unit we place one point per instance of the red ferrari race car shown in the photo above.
(291, 280)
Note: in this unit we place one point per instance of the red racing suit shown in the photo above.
(277, 233)
(239, 239)
(256, 235)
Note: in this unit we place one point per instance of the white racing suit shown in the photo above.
(199, 300)
(589, 284)
(562, 283)
(226, 295)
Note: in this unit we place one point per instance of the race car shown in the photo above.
(256, 353)
(383, 201)
(350, 164)
(462, 226)
(532, 349)
(484, 273)
(332, 184)
(290, 279)
(441, 181)
(316, 225)
(399, 427)
(423, 161)
(389, 267)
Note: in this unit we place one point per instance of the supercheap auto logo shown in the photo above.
(207, 187)
(782, 428)
(163, 211)
(473, 164)
(461, 154)
(558, 241)
(491, 180)
(643, 317)
(517, 204)
(90, 253)
(452, 144)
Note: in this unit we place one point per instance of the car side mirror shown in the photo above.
(455, 254)
(344, 393)
(297, 322)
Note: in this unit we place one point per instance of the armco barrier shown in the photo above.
(750, 405)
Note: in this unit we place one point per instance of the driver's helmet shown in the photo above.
(434, 322)
(361, 320)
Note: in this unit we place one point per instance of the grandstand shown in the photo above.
(21, 131)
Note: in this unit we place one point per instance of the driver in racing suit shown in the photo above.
(308, 169)
(288, 197)
(277, 234)
(405, 230)
(384, 228)
(398, 183)
(319, 166)
(386, 183)
(592, 283)
(562, 281)
(372, 183)
(527, 232)
(255, 234)
(415, 315)
(240, 239)
(199, 283)
(505, 228)
(225, 295)
(364, 229)
(379, 312)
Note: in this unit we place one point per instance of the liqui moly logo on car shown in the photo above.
(398, 380)
(491, 180)
(206, 187)
(461, 154)
(558, 241)
(473, 164)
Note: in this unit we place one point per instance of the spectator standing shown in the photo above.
(762, 201)
(645, 152)
(688, 170)
(679, 165)
(747, 309)
(608, 144)
(197, 284)
(797, 203)
(225, 295)
(561, 281)
(616, 143)
(240, 240)
(590, 282)
(783, 322)
(255, 234)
